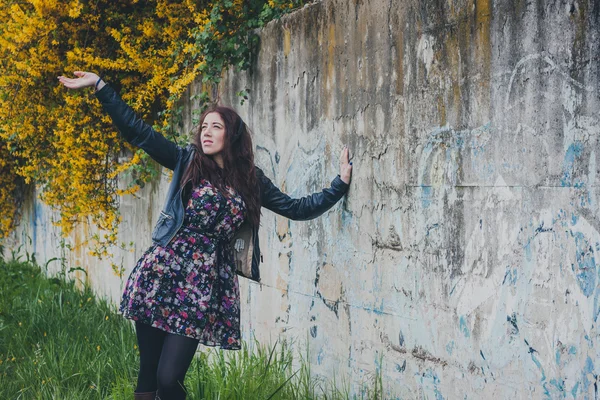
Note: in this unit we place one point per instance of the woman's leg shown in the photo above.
(177, 354)
(150, 342)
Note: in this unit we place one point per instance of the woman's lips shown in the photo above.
(207, 142)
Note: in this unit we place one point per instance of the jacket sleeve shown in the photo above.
(304, 208)
(136, 131)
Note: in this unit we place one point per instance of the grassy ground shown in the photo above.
(57, 342)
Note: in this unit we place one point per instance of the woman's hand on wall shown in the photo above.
(84, 79)
(345, 166)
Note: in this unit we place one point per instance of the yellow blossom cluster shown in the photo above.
(8, 186)
(59, 139)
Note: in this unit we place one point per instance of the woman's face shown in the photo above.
(212, 134)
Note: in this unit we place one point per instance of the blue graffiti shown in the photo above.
(596, 305)
(574, 151)
(510, 276)
(512, 319)
(429, 374)
(450, 347)
(587, 370)
(401, 368)
(528, 251)
(426, 196)
(477, 146)
(586, 263)
(320, 356)
(574, 219)
(463, 327)
(559, 385)
(538, 364)
(574, 390)
(379, 310)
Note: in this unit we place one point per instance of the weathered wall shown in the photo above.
(465, 252)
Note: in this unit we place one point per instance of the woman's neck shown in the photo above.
(219, 160)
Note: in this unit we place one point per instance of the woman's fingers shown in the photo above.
(66, 80)
(344, 155)
(345, 166)
(70, 83)
(84, 79)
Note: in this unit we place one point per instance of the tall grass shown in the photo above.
(58, 342)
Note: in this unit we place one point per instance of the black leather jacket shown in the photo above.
(176, 158)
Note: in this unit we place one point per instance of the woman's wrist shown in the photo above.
(99, 84)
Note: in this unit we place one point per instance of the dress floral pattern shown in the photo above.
(189, 287)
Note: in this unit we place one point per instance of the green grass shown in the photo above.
(59, 342)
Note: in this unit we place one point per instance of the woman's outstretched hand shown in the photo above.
(345, 166)
(84, 79)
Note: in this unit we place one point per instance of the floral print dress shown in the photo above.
(189, 287)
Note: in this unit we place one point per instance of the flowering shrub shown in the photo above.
(151, 51)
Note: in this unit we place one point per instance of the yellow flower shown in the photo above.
(75, 10)
(106, 318)
(98, 348)
(77, 156)
(20, 324)
(44, 333)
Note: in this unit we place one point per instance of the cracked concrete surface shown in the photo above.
(472, 208)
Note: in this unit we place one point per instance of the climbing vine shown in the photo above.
(149, 50)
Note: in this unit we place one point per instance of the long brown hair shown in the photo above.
(238, 170)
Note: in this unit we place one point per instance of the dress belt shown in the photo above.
(220, 241)
(208, 234)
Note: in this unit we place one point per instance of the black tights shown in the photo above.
(164, 361)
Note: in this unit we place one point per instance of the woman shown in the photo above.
(184, 289)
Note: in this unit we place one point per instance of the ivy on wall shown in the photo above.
(149, 50)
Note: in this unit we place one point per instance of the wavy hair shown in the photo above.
(238, 170)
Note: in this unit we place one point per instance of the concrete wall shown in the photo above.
(462, 263)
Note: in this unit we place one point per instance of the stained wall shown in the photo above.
(461, 263)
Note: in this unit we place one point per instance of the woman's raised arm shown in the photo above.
(132, 127)
(307, 207)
